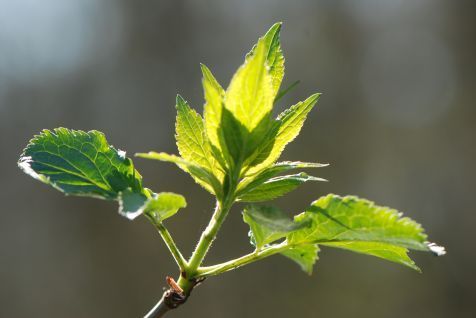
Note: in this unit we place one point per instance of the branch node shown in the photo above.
(173, 285)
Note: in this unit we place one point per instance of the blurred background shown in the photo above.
(396, 122)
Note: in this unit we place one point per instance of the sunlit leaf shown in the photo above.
(350, 222)
(192, 140)
(274, 58)
(286, 129)
(202, 175)
(250, 96)
(275, 187)
(269, 224)
(385, 251)
(213, 112)
(254, 181)
(159, 206)
(164, 205)
(304, 255)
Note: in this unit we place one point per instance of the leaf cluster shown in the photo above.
(232, 152)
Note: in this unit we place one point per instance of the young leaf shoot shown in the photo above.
(232, 152)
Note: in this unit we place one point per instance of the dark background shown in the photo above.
(396, 121)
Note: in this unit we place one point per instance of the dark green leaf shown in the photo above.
(80, 163)
(84, 164)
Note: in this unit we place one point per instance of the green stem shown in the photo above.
(169, 241)
(188, 277)
(241, 261)
(209, 234)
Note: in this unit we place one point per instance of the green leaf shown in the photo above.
(131, 204)
(80, 163)
(275, 187)
(237, 121)
(234, 139)
(360, 225)
(250, 96)
(164, 205)
(274, 58)
(269, 224)
(158, 206)
(213, 109)
(201, 175)
(286, 129)
(191, 138)
(305, 256)
(350, 218)
(385, 251)
(253, 181)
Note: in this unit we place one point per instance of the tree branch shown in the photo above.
(159, 310)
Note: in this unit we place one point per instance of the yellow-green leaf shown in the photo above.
(275, 187)
(250, 96)
(164, 205)
(213, 110)
(274, 58)
(287, 127)
(305, 256)
(361, 226)
(159, 206)
(385, 251)
(202, 176)
(268, 224)
(253, 181)
(192, 140)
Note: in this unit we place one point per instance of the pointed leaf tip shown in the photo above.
(179, 100)
(275, 28)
